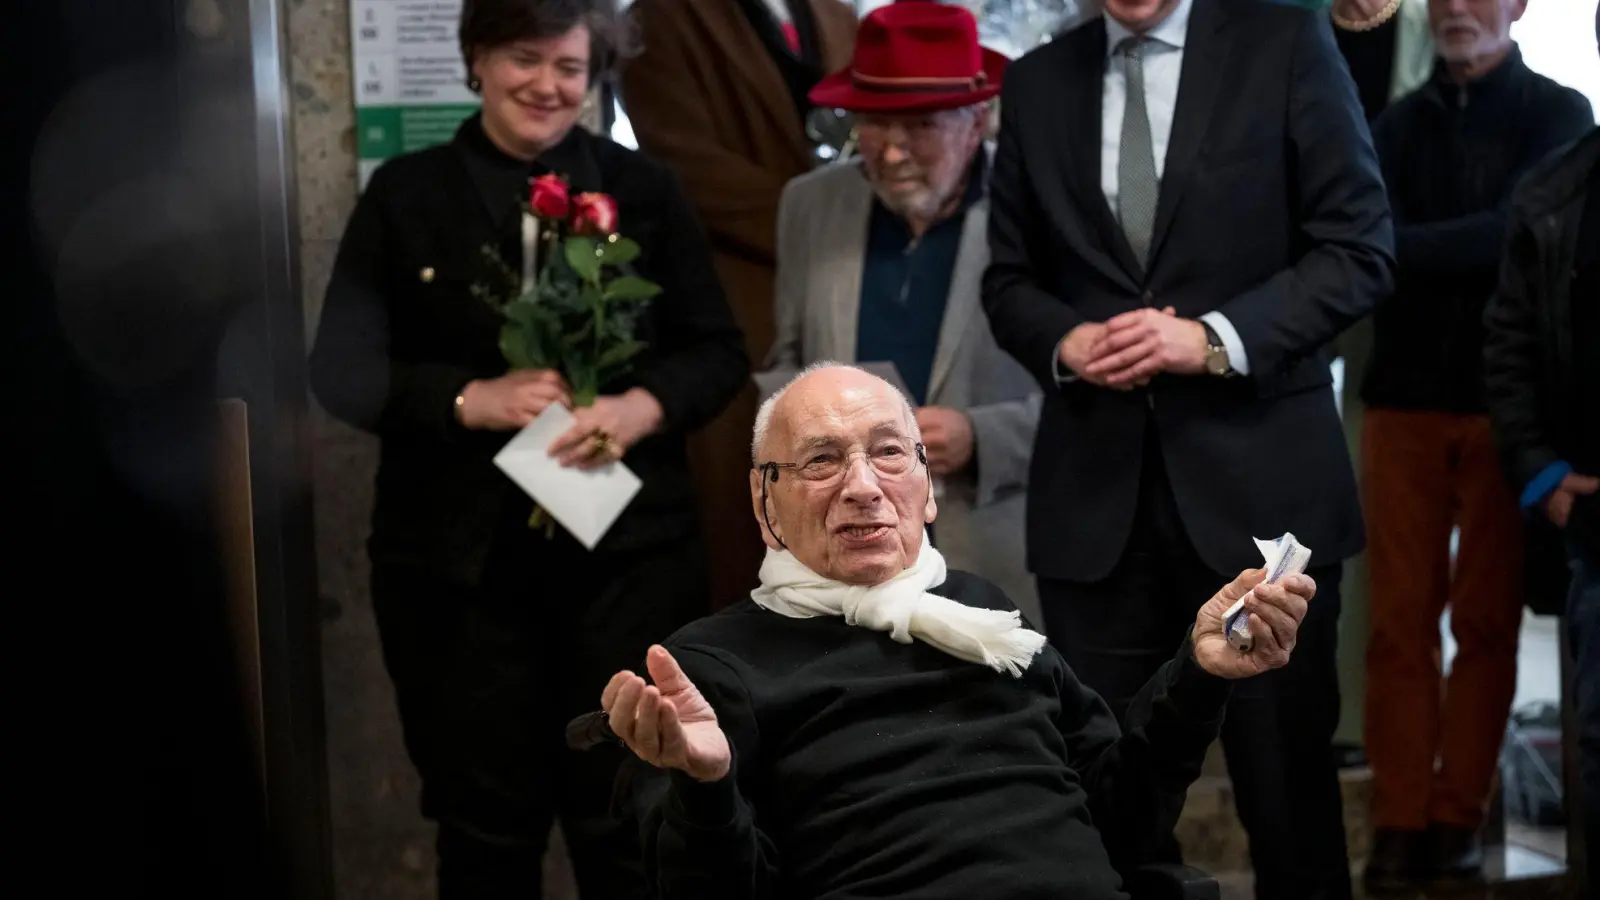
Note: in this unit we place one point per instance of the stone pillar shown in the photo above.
(382, 848)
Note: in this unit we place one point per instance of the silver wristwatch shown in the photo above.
(1217, 362)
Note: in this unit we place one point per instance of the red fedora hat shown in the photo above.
(912, 56)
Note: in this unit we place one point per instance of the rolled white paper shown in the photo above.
(530, 250)
(1284, 557)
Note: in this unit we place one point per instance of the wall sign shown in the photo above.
(410, 81)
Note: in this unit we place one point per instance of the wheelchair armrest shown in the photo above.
(1166, 881)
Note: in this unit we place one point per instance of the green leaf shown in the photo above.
(513, 346)
(631, 287)
(521, 312)
(580, 255)
(586, 395)
(584, 379)
(573, 338)
(619, 252)
(620, 353)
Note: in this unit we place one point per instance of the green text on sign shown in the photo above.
(385, 131)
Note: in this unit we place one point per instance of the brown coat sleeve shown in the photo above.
(664, 90)
(669, 94)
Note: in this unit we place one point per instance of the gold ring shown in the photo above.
(602, 443)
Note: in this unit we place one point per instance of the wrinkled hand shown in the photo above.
(1136, 346)
(625, 419)
(512, 400)
(667, 724)
(1558, 506)
(1275, 611)
(947, 436)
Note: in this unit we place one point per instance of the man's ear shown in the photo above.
(756, 476)
(930, 510)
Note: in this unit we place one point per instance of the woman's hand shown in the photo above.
(511, 401)
(605, 431)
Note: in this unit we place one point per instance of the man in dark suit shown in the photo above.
(1170, 265)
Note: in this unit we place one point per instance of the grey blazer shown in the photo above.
(822, 237)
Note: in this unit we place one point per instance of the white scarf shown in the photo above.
(903, 607)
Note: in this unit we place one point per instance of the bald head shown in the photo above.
(851, 496)
(821, 382)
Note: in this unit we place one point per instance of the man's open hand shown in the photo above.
(1275, 611)
(667, 724)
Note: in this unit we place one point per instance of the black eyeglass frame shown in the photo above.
(769, 475)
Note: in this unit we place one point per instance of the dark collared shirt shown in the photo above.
(905, 284)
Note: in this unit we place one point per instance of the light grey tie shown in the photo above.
(1137, 184)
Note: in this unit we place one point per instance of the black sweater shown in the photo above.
(1451, 155)
(868, 768)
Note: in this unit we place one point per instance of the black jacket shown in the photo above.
(1451, 156)
(401, 334)
(1530, 371)
(869, 768)
(1271, 210)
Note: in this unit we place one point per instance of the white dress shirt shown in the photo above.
(1163, 70)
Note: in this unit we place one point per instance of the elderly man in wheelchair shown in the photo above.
(870, 724)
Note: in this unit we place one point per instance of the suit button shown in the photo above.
(426, 274)
(1149, 298)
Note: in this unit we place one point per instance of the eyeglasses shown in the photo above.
(888, 456)
(909, 131)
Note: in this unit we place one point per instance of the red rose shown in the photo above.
(594, 215)
(548, 197)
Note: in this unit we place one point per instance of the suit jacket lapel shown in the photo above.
(1084, 88)
(843, 256)
(966, 288)
(1205, 58)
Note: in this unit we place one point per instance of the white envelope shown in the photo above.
(586, 503)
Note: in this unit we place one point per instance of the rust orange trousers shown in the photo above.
(1434, 741)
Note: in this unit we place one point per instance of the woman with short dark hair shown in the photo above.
(494, 634)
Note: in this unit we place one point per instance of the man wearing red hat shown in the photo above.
(880, 260)
(1210, 156)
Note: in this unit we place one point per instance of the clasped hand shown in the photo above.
(1127, 351)
(510, 402)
